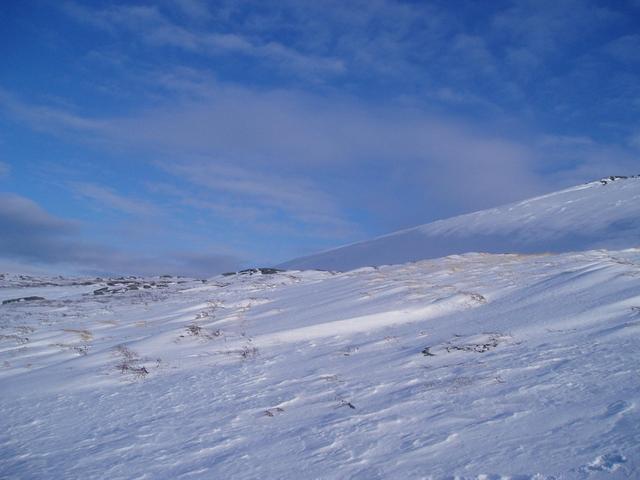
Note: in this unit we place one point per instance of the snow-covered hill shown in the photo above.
(603, 214)
(470, 367)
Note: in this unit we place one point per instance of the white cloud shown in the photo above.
(304, 134)
(228, 139)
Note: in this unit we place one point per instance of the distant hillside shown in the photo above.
(602, 214)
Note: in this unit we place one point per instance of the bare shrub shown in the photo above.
(127, 354)
(198, 331)
(130, 362)
(194, 329)
(345, 403)
(273, 411)
(248, 352)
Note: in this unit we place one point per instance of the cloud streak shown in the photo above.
(110, 199)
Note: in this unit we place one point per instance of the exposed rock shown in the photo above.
(21, 299)
(613, 178)
(253, 271)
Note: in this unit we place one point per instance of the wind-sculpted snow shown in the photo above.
(471, 367)
(603, 214)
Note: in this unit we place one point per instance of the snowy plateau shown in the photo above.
(478, 366)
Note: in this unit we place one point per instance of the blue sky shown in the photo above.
(193, 136)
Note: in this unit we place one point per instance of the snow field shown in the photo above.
(472, 366)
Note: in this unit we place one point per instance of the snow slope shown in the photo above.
(470, 367)
(603, 214)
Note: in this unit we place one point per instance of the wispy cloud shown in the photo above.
(5, 169)
(291, 194)
(50, 118)
(189, 198)
(155, 28)
(625, 49)
(106, 197)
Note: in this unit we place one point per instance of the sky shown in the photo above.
(194, 137)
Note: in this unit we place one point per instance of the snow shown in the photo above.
(603, 214)
(472, 366)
